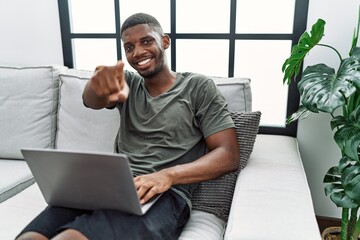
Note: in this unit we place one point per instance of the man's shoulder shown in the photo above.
(196, 79)
(194, 76)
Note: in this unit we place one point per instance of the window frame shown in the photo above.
(299, 26)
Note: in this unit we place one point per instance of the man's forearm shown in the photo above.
(210, 166)
(93, 101)
(223, 157)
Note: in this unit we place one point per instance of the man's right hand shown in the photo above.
(106, 87)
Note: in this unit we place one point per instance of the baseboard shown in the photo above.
(325, 222)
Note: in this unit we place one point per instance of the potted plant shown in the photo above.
(324, 89)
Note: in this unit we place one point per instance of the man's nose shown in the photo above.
(138, 51)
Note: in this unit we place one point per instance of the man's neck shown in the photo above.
(160, 83)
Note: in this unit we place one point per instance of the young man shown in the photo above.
(168, 120)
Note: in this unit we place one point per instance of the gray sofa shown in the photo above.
(41, 106)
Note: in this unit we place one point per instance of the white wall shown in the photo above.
(318, 149)
(30, 32)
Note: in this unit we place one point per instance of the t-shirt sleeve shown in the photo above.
(211, 109)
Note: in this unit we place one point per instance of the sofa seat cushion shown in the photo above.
(29, 98)
(19, 210)
(272, 199)
(203, 225)
(15, 176)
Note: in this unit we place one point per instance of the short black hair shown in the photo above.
(141, 18)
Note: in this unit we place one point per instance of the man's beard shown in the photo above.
(158, 68)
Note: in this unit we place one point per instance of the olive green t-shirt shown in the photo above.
(169, 129)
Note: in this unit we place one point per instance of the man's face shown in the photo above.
(144, 48)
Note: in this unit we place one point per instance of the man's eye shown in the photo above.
(146, 42)
(128, 48)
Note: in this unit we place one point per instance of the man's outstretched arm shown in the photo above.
(106, 87)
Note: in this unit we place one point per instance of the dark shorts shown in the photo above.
(164, 220)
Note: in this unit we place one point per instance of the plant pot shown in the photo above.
(331, 233)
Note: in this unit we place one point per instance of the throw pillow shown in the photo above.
(215, 196)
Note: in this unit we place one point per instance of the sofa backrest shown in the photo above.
(28, 108)
(237, 93)
(42, 107)
(86, 129)
(79, 127)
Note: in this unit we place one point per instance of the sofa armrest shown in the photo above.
(272, 199)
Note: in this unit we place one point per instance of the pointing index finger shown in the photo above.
(119, 71)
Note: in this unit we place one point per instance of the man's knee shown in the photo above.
(70, 234)
(31, 236)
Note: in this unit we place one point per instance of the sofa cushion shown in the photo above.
(81, 128)
(272, 199)
(15, 176)
(215, 196)
(203, 226)
(29, 97)
(237, 93)
(18, 211)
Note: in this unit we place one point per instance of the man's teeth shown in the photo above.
(143, 62)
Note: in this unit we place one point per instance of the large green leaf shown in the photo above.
(352, 144)
(350, 68)
(335, 189)
(333, 175)
(292, 65)
(348, 139)
(345, 162)
(356, 35)
(337, 121)
(350, 179)
(342, 200)
(348, 134)
(322, 89)
(332, 188)
(302, 112)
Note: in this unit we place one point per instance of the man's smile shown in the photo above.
(144, 63)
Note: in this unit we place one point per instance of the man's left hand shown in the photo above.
(151, 184)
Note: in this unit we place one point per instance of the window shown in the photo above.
(241, 38)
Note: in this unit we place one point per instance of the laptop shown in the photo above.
(85, 180)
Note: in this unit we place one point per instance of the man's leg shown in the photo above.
(70, 234)
(45, 225)
(32, 236)
(164, 220)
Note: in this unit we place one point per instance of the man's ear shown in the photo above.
(166, 41)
